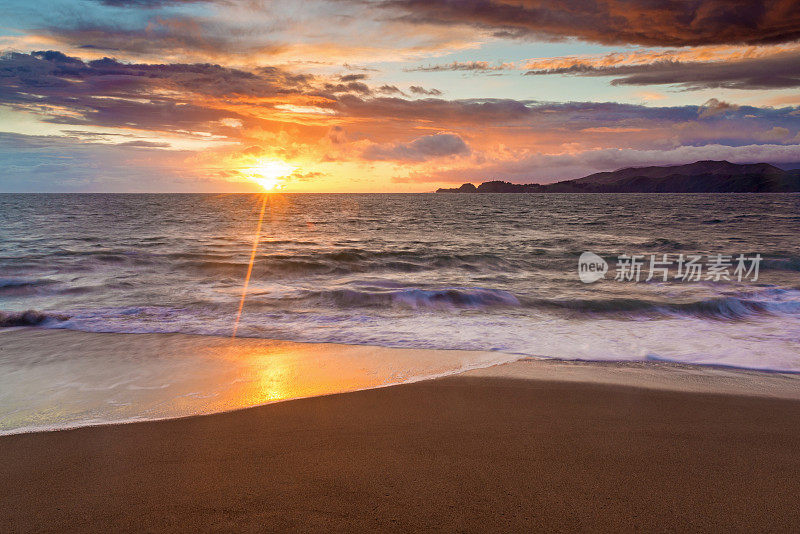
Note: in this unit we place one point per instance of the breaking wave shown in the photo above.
(725, 307)
(476, 298)
(713, 308)
(29, 318)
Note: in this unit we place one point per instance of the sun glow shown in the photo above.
(268, 173)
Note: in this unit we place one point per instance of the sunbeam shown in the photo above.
(256, 239)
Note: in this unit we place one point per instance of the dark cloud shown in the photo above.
(351, 87)
(107, 92)
(436, 109)
(647, 22)
(389, 90)
(353, 77)
(779, 71)
(420, 149)
(418, 90)
(53, 70)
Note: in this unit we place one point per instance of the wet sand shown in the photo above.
(511, 448)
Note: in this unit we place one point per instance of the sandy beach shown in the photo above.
(546, 446)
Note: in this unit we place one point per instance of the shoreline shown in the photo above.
(649, 375)
(500, 370)
(205, 374)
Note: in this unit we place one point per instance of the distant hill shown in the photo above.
(698, 177)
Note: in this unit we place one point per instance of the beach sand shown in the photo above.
(531, 445)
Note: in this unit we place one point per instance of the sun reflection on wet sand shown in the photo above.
(288, 371)
(104, 378)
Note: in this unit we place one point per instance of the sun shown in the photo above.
(268, 173)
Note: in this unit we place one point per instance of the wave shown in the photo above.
(6, 283)
(773, 302)
(662, 243)
(378, 294)
(14, 283)
(29, 318)
(350, 261)
(777, 302)
(474, 298)
(728, 307)
(789, 263)
(716, 308)
(20, 287)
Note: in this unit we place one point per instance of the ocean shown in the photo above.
(493, 272)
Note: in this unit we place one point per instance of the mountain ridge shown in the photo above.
(706, 176)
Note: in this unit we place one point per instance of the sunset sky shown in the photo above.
(387, 96)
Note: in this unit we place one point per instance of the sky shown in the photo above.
(387, 95)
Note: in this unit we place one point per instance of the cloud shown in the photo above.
(145, 144)
(361, 68)
(389, 90)
(714, 107)
(645, 22)
(148, 4)
(468, 66)
(57, 72)
(418, 90)
(106, 92)
(436, 110)
(353, 77)
(642, 57)
(299, 176)
(350, 87)
(780, 70)
(420, 149)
